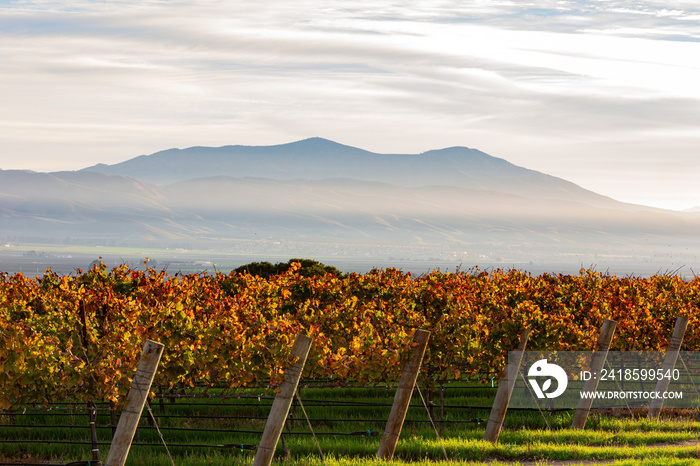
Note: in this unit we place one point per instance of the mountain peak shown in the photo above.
(317, 141)
(318, 159)
(461, 152)
(316, 144)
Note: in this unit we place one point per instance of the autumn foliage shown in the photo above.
(80, 337)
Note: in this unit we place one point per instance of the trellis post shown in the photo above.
(283, 401)
(607, 330)
(402, 398)
(135, 401)
(92, 412)
(505, 390)
(668, 365)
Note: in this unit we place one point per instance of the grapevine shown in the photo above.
(80, 337)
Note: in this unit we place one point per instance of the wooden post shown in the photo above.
(442, 408)
(160, 400)
(135, 400)
(402, 398)
(113, 417)
(607, 330)
(668, 365)
(505, 390)
(93, 433)
(283, 401)
(150, 419)
(431, 403)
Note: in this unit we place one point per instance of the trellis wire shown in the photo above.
(66, 409)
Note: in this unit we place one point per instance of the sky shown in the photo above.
(603, 93)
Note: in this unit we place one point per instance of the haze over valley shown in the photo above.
(342, 205)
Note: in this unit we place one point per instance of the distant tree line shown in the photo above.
(309, 268)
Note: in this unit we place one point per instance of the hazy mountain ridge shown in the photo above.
(205, 205)
(79, 190)
(455, 198)
(317, 159)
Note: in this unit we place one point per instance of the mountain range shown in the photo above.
(319, 159)
(334, 199)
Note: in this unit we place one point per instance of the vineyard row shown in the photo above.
(79, 337)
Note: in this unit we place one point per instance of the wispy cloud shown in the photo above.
(551, 85)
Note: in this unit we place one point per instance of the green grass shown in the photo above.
(331, 460)
(525, 437)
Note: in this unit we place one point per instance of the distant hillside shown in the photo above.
(81, 205)
(318, 159)
(316, 197)
(334, 216)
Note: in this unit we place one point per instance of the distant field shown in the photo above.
(64, 260)
(34, 259)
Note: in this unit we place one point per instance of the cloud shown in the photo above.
(104, 81)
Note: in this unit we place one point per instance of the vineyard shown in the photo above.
(79, 337)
